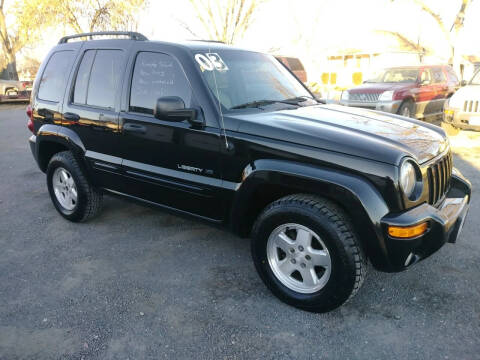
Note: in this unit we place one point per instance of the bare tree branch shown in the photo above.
(224, 20)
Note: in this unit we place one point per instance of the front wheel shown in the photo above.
(407, 109)
(306, 252)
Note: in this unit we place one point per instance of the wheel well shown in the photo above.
(46, 151)
(268, 193)
(407, 99)
(10, 88)
(262, 196)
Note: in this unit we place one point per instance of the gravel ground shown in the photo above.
(137, 283)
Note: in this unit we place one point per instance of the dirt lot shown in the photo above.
(136, 283)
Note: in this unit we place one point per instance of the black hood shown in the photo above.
(369, 134)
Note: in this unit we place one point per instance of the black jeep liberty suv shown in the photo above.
(233, 137)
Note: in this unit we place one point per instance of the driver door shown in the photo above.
(170, 163)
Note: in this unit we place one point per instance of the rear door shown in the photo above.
(170, 163)
(92, 106)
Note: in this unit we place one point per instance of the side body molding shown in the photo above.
(359, 198)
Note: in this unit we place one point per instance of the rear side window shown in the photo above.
(438, 75)
(99, 78)
(83, 76)
(156, 75)
(54, 77)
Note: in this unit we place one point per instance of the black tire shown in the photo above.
(407, 109)
(348, 262)
(89, 199)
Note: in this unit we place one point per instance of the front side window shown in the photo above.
(157, 75)
(425, 77)
(55, 75)
(237, 77)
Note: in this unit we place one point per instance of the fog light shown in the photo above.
(405, 232)
(409, 259)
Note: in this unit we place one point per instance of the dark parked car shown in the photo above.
(231, 137)
(414, 91)
(295, 65)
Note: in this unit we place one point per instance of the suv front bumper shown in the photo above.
(445, 223)
(462, 119)
(385, 106)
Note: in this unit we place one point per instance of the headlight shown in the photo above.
(345, 95)
(386, 96)
(408, 178)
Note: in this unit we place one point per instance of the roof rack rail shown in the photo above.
(212, 41)
(132, 35)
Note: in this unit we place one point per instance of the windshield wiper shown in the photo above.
(258, 103)
(299, 99)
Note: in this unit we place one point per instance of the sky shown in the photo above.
(329, 23)
(311, 29)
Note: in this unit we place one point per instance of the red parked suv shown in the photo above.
(412, 91)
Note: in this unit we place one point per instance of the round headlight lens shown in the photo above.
(408, 178)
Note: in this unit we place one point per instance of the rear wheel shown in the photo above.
(71, 192)
(306, 252)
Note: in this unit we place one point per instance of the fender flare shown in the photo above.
(49, 133)
(355, 194)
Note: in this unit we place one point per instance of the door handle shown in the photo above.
(71, 117)
(135, 128)
(45, 113)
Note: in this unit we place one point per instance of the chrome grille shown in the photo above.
(364, 97)
(439, 175)
(471, 106)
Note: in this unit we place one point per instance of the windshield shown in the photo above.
(476, 79)
(395, 76)
(244, 77)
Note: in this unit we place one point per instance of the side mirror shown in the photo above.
(172, 108)
(463, 83)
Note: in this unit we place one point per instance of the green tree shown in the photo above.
(224, 20)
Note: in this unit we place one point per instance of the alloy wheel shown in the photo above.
(298, 258)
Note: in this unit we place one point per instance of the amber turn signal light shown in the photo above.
(405, 232)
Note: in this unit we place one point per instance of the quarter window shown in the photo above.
(54, 77)
(156, 75)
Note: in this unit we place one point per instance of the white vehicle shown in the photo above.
(462, 109)
(14, 90)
